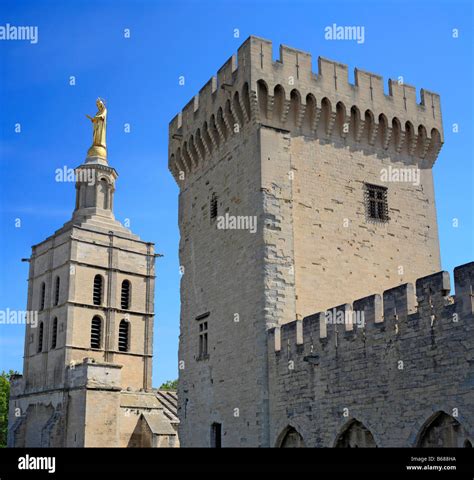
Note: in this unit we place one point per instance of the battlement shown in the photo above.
(398, 312)
(251, 89)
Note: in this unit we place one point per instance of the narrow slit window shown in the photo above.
(125, 297)
(96, 332)
(40, 337)
(54, 336)
(56, 291)
(203, 346)
(216, 435)
(43, 296)
(98, 290)
(123, 339)
(213, 207)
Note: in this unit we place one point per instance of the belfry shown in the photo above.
(88, 361)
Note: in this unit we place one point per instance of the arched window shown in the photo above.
(125, 297)
(103, 194)
(96, 332)
(54, 336)
(443, 430)
(124, 330)
(43, 296)
(56, 291)
(355, 435)
(40, 337)
(98, 290)
(291, 439)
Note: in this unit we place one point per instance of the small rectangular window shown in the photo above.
(203, 351)
(376, 202)
(216, 435)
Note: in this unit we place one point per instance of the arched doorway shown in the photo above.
(291, 439)
(443, 430)
(355, 435)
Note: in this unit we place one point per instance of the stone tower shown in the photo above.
(337, 178)
(87, 360)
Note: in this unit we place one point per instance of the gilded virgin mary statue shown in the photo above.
(99, 124)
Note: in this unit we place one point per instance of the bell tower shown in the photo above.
(88, 354)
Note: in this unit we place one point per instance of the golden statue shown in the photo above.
(99, 122)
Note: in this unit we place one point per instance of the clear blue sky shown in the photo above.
(138, 77)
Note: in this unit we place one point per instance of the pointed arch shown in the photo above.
(311, 114)
(246, 101)
(214, 132)
(221, 124)
(278, 102)
(328, 116)
(398, 134)
(369, 126)
(410, 141)
(207, 139)
(290, 438)
(442, 430)
(355, 435)
(384, 132)
(237, 109)
(356, 123)
(341, 124)
(262, 98)
(295, 107)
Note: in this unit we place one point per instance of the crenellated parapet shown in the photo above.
(251, 89)
(399, 314)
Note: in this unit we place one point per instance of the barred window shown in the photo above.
(376, 202)
(43, 296)
(125, 298)
(96, 332)
(98, 290)
(54, 336)
(40, 337)
(213, 207)
(56, 291)
(124, 329)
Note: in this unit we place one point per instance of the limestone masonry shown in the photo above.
(88, 361)
(339, 180)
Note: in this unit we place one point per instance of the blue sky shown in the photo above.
(139, 78)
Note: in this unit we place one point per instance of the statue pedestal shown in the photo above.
(97, 151)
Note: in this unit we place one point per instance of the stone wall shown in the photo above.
(411, 360)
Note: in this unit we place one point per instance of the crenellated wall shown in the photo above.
(410, 358)
(295, 151)
(286, 94)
